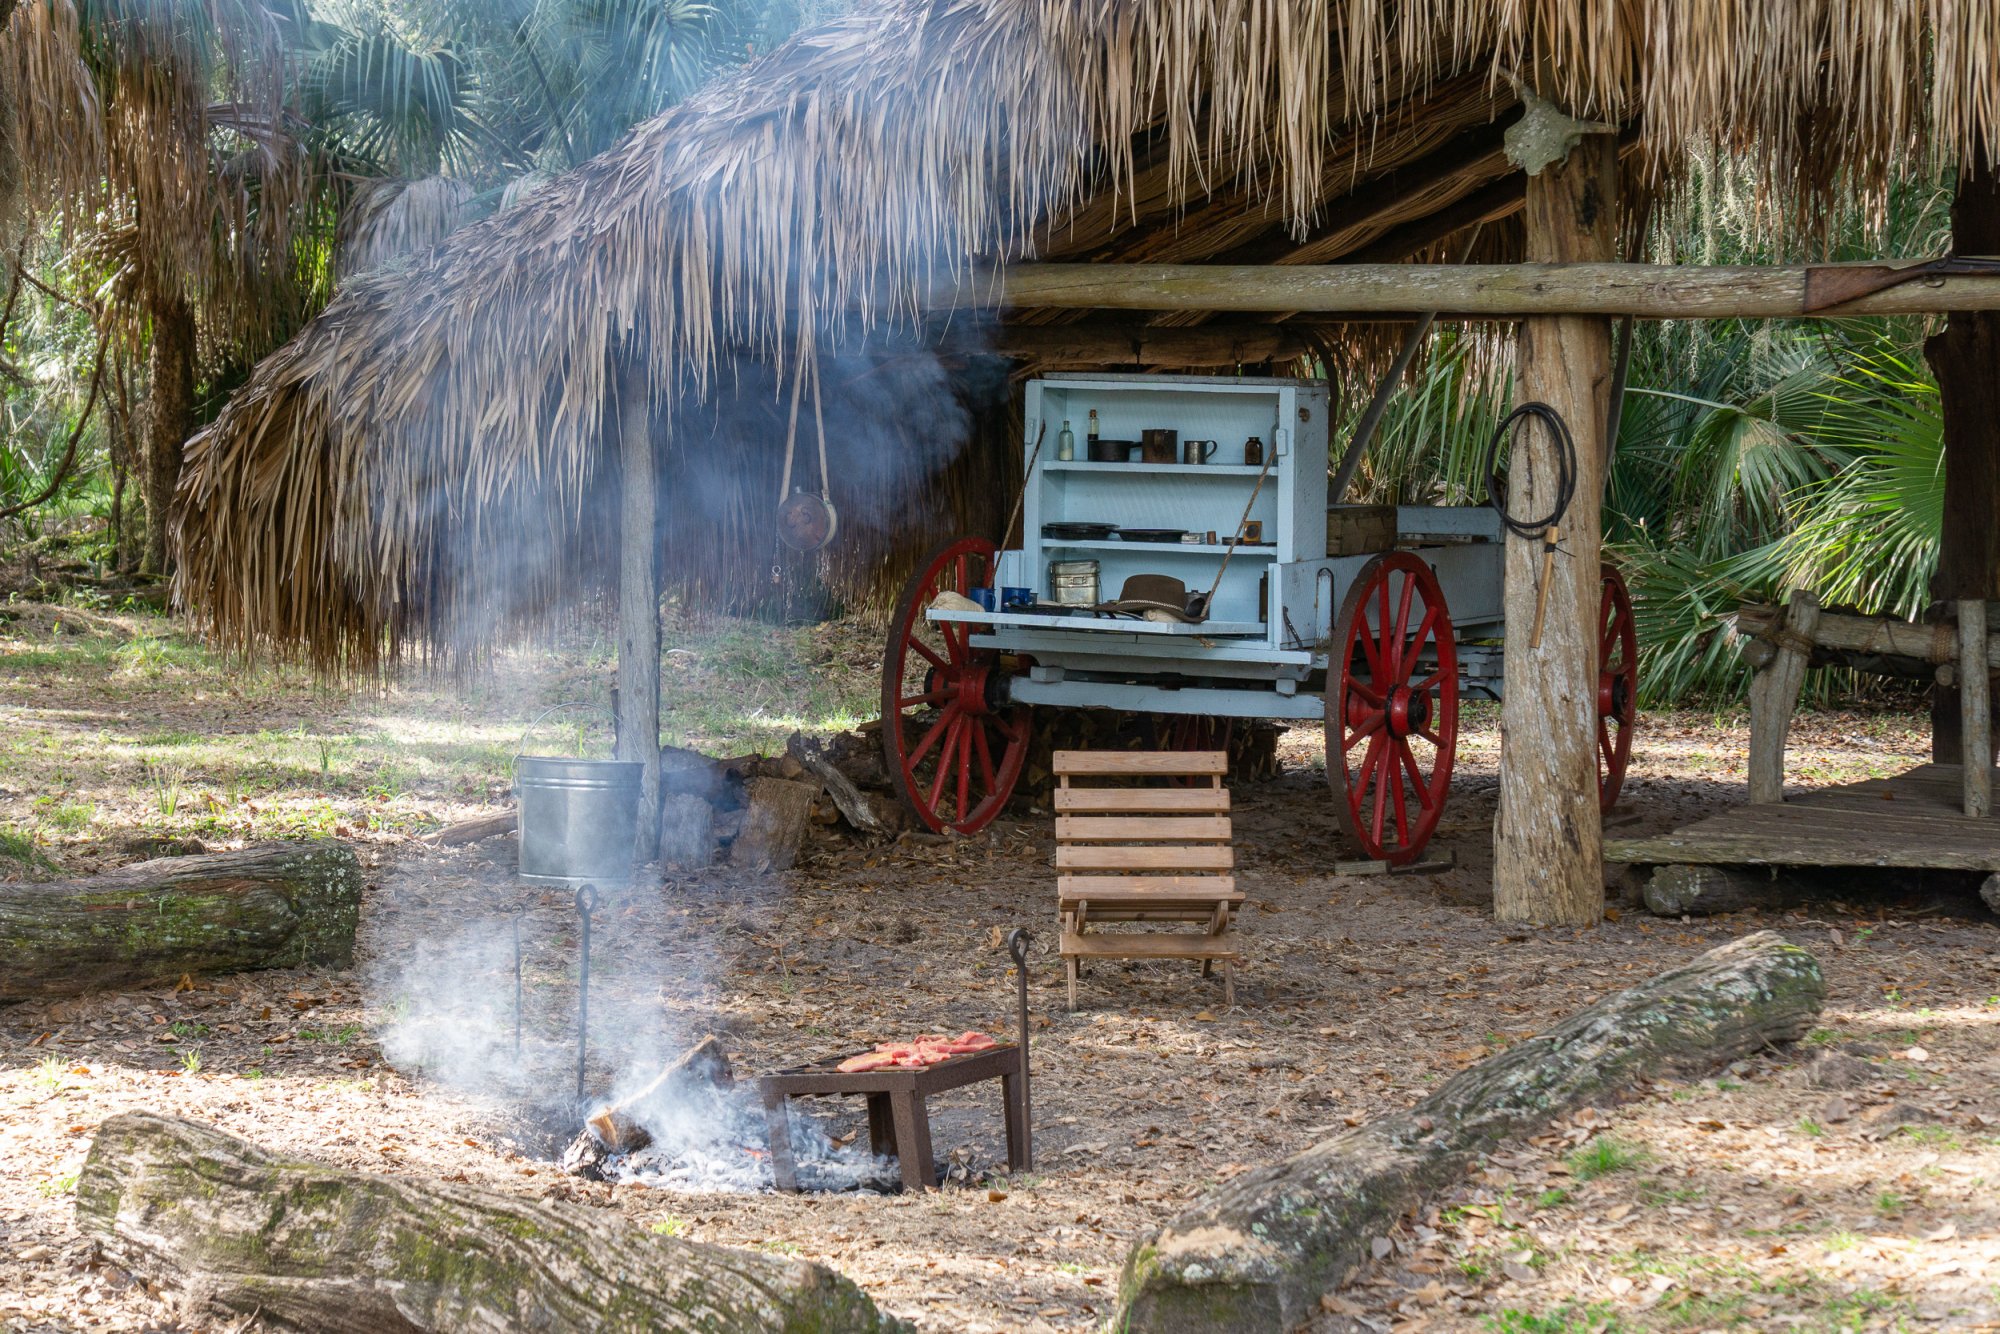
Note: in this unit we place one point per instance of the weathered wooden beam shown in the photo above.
(1935, 642)
(1100, 343)
(639, 602)
(1547, 843)
(1975, 694)
(1256, 1253)
(1774, 694)
(1471, 291)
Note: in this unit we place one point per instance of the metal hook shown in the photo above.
(586, 901)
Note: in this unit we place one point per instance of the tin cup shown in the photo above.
(984, 597)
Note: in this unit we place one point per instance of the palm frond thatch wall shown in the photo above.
(380, 479)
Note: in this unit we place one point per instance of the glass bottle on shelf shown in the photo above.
(1091, 433)
(1066, 444)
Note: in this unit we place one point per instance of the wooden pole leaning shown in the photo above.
(639, 600)
(1548, 841)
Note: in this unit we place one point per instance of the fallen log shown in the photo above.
(851, 801)
(278, 905)
(323, 1248)
(471, 831)
(1703, 891)
(620, 1127)
(1257, 1253)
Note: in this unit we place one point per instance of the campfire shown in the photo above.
(694, 1125)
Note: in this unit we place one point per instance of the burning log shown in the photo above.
(618, 1128)
(279, 905)
(774, 823)
(1257, 1253)
(328, 1249)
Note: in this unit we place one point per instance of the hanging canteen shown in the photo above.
(807, 522)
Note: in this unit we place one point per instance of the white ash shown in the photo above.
(716, 1139)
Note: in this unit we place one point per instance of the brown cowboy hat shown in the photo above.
(1158, 592)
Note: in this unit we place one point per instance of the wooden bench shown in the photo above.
(1145, 852)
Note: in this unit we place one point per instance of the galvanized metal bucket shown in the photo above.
(579, 819)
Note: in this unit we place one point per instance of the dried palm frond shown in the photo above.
(428, 464)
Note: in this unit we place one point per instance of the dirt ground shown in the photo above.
(1844, 1184)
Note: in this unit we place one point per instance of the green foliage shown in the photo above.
(1569, 1318)
(1603, 1156)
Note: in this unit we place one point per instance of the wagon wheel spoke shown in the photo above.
(928, 697)
(945, 717)
(985, 754)
(1397, 754)
(1403, 614)
(945, 754)
(1368, 727)
(1377, 756)
(1417, 780)
(964, 766)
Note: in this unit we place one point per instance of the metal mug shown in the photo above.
(1159, 445)
(1197, 451)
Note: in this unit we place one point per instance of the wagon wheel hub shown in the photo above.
(970, 684)
(1614, 696)
(1409, 711)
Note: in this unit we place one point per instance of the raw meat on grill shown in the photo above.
(922, 1050)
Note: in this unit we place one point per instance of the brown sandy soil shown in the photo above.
(1845, 1184)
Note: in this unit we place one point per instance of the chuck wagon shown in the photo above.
(1370, 620)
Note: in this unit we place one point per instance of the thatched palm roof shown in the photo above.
(423, 462)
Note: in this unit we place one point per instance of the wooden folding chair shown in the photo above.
(1145, 852)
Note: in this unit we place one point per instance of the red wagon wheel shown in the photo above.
(1392, 708)
(1186, 731)
(1617, 686)
(953, 743)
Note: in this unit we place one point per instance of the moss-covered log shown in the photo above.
(327, 1249)
(278, 905)
(1258, 1253)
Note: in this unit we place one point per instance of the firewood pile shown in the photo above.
(758, 811)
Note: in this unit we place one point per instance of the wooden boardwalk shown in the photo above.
(1912, 820)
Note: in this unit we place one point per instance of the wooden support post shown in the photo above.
(1975, 707)
(1774, 694)
(1965, 358)
(1548, 841)
(639, 601)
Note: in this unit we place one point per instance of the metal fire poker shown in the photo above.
(586, 899)
(517, 986)
(1017, 945)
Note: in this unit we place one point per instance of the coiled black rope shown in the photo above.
(1496, 491)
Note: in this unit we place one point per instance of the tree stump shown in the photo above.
(327, 1249)
(1257, 1253)
(279, 905)
(687, 831)
(774, 823)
